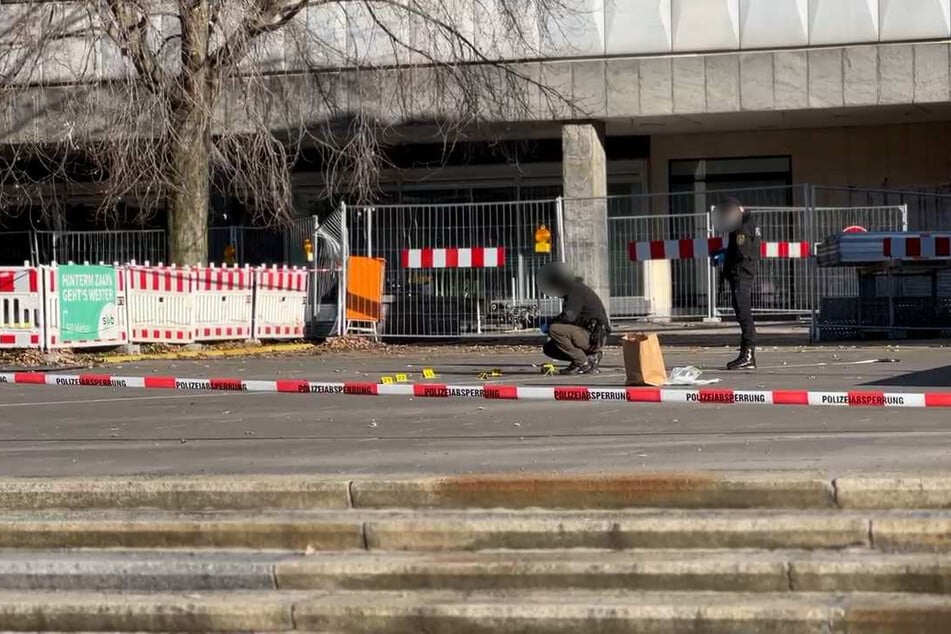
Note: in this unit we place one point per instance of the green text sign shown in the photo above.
(87, 303)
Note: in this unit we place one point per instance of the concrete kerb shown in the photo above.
(177, 494)
(675, 490)
(209, 353)
(782, 490)
(896, 492)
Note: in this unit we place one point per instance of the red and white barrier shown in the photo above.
(918, 246)
(223, 303)
(21, 308)
(161, 304)
(280, 302)
(686, 249)
(474, 258)
(113, 328)
(785, 250)
(699, 248)
(576, 394)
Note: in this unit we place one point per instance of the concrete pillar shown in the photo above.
(584, 176)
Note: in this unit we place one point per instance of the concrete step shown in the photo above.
(482, 530)
(601, 612)
(696, 570)
(609, 613)
(663, 570)
(716, 490)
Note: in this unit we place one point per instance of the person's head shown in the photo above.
(555, 279)
(728, 215)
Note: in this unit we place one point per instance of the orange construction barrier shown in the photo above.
(365, 291)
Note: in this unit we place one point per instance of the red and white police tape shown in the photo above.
(704, 396)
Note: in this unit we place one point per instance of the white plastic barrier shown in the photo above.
(161, 304)
(85, 306)
(280, 302)
(21, 308)
(224, 302)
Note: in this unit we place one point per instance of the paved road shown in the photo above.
(62, 431)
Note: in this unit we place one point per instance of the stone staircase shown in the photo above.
(704, 553)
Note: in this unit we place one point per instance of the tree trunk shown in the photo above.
(191, 142)
(188, 204)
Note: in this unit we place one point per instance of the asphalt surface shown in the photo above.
(64, 431)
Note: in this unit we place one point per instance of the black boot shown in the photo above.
(594, 360)
(746, 360)
(574, 369)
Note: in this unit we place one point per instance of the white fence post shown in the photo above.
(713, 286)
(342, 283)
(560, 228)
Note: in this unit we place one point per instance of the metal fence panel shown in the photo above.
(456, 269)
(929, 209)
(783, 285)
(632, 282)
(261, 245)
(843, 281)
(148, 245)
(678, 289)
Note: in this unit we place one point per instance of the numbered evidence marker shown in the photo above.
(387, 380)
(429, 373)
(490, 374)
(549, 369)
(402, 377)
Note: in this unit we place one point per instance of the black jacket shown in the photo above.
(582, 306)
(742, 251)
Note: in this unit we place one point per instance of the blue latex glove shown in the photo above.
(718, 258)
(544, 326)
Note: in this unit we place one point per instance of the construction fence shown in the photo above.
(468, 269)
(240, 246)
(104, 306)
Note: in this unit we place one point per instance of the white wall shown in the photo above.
(348, 34)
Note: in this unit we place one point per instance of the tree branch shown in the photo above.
(267, 16)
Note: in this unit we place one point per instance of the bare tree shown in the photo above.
(167, 98)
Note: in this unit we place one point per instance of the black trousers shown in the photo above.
(741, 291)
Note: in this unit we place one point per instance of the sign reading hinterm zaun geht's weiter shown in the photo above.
(88, 308)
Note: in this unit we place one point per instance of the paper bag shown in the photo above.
(643, 359)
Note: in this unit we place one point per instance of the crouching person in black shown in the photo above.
(579, 333)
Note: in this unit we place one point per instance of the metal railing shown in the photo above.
(456, 269)
(146, 245)
(492, 289)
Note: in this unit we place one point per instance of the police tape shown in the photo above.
(703, 396)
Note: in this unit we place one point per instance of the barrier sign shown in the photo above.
(87, 303)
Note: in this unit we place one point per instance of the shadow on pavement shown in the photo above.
(934, 377)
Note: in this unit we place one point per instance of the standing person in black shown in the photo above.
(740, 263)
(579, 333)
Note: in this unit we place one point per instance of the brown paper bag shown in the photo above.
(643, 359)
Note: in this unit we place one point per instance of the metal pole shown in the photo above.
(369, 232)
(342, 283)
(560, 228)
(233, 240)
(711, 281)
(313, 276)
(812, 282)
